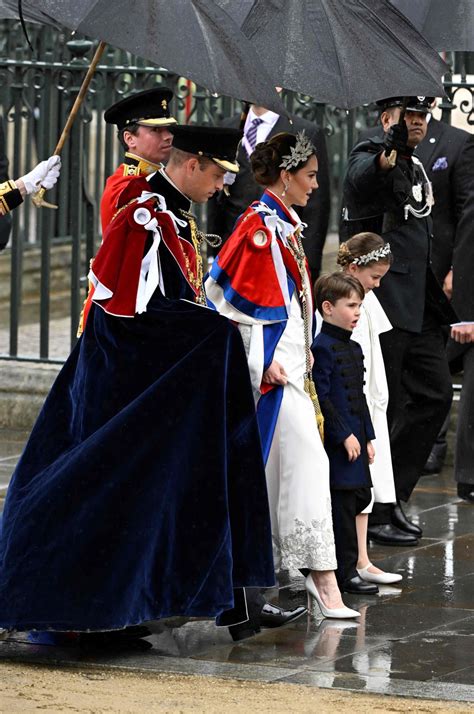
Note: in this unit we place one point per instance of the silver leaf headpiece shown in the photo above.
(300, 153)
(374, 255)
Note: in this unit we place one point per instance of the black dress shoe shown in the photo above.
(243, 631)
(388, 534)
(400, 520)
(435, 461)
(358, 586)
(434, 465)
(466, 492)
(274, 616)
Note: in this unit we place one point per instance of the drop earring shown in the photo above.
(285, 189)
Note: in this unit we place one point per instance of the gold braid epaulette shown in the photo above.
(130, 170)
(8, 187)
(141, 167)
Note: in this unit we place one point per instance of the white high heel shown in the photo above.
(338, 613)
(379, 578)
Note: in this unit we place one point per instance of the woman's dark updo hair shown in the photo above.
(268, 155)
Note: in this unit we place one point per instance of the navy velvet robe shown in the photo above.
(141, 492)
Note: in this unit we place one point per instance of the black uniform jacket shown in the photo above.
(224, 210)
(375, 200)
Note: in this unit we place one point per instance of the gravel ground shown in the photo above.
(29, 688)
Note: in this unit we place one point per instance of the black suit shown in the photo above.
(224, 210)
(448, 155)
(415, 362)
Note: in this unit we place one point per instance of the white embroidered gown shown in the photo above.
(298, 468)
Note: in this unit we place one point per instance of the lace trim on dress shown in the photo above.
(308, 546)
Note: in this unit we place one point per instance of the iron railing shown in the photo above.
(49, 251)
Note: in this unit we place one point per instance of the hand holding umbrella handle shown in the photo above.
(38, 197)
(392, 157)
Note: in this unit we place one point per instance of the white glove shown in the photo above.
(44, 174)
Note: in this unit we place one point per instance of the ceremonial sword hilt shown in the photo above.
(38, 199)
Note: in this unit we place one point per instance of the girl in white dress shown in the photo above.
(368, 258)
(260, 280)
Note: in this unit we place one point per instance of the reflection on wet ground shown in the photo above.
(411, 640)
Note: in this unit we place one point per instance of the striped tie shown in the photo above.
(251, 134)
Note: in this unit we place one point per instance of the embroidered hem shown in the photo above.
(307, 546)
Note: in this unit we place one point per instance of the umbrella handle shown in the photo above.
(38, 197)
(392, 157)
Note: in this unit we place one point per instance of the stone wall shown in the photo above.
(23, 389)
(60, 281)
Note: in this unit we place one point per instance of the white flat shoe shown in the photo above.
(338, 613)
(379, 578)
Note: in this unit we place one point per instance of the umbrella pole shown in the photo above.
(392, 157)
(38, 197)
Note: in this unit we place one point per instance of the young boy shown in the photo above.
(338, 373)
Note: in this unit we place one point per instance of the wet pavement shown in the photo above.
(413, 640)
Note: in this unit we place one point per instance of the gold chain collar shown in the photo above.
(295, 246)
(197, 238)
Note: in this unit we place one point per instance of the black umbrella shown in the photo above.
(9, 11)
(343, 52)
(196, 39)
(446, 24)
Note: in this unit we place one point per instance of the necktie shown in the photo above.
(251, 134)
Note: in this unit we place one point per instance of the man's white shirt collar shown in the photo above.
(269, 119)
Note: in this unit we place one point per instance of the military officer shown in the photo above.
(143, 121)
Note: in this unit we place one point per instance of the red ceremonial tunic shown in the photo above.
(131, 167)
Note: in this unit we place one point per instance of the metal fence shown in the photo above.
(46, 262)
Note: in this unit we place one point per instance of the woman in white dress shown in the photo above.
(260, 280)
(367, 257)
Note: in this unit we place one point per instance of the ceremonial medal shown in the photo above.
(417, 192)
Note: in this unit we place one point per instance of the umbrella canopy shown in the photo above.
(343, 52)
(193, 38)
(446, 24)
(9, 11)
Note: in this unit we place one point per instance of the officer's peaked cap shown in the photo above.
(216, 143)
(415, 104)
(148, 108)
